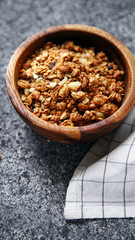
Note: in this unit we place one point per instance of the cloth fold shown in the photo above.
(103, 185)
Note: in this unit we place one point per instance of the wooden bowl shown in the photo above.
(84, 35)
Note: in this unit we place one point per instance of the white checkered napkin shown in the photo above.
(103, 185)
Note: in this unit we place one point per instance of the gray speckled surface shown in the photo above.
(34, 173)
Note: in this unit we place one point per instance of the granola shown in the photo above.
(70, 85)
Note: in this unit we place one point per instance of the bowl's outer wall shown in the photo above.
(83, 35)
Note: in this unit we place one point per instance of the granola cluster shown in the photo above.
(69, 85)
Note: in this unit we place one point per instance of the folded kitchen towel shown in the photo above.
(103, 185)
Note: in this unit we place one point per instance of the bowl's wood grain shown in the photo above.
(83, 35)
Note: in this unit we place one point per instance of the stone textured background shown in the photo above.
(34, 172)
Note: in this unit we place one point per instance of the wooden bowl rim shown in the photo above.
(118, 116)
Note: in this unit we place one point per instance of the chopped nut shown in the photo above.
(77, 95)
(53, 84)
(31, 89)
(74, 85)
(64, 91)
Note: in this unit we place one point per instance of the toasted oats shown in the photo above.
(64, 115)
(69, 85)
(35, 95)
(23, 83)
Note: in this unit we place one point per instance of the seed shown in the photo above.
(23, 97)
(23, 84)
(26, 91)
(51, 65)
(110, 67)
(35, 76)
